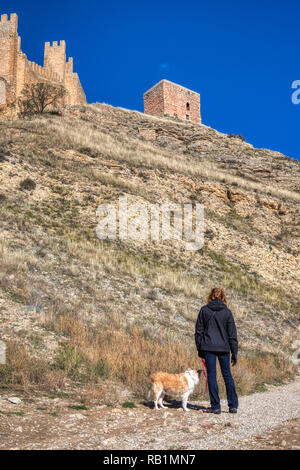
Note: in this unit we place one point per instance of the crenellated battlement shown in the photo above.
(16, 70)
(13, 20)
(55, 58)
(69, 65)
(8, 26)
(43, 73)
(55, 45)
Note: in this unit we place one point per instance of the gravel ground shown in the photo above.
(45, 423)
(257, 414)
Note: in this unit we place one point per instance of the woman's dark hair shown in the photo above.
(216, 293)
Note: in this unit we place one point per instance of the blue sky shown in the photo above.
(241, 56)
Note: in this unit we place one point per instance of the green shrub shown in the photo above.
(128, 404)
(28, 184)
(236, 136)
(78, 407)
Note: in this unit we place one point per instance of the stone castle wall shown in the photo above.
(167, 98)
(16, 70)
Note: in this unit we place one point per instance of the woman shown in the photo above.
(215, 337)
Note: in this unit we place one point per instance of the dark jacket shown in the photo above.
(215, 329)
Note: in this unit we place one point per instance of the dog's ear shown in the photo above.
(199, 371)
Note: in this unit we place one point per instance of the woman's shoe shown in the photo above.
(232, 410)
(215, 411)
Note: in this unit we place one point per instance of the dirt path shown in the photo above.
(265, 420)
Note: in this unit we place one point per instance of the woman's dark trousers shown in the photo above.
(211, 366)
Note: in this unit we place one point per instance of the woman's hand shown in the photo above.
(233, 359)
(201, 354)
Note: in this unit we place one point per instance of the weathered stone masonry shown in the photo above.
(167, 98)
(16, 70)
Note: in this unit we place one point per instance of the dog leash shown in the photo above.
(205, 373)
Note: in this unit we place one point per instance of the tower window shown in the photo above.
(187, 117)
(188, 106)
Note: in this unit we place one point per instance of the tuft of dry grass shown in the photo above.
(24, 371)
(126, 355)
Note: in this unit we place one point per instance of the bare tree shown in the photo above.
(39, 97)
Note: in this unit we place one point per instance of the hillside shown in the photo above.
(125, 308)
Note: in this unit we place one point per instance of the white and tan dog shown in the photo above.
(178, 385)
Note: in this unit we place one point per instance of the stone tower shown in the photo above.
(55, 58)
(16, 70)
(167, 98)
(9, 45)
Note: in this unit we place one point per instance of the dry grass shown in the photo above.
(137, 153)
(171, 279)
(101, 259)
(127, 355)
(23, 371)
(130, 356)
(91, 356)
